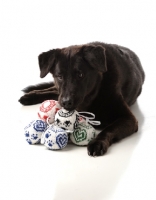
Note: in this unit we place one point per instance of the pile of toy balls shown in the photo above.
(55, 126)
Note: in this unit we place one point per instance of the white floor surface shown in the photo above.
(31, 172)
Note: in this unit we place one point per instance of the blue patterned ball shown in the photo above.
(34, 130)
(55, 138)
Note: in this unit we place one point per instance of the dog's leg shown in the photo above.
(123, 126)
(40, 86)
(38, 96)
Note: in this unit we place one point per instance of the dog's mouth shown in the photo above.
(69, 108)
(68, 105)
(70, 102)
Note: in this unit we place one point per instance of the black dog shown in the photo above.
(101, 78)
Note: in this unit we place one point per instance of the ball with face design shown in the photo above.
(66, 120)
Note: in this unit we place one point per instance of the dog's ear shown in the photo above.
(95, 56)
(46, 61)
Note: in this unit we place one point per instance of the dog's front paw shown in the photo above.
(97, 147)
(27, 99)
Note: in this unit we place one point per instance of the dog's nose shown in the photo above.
(67, 103)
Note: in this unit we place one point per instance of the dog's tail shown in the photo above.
(40, 86)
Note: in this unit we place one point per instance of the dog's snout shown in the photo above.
(67, 103)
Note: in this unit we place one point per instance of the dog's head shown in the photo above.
(77, 72)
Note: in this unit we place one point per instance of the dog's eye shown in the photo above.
(60, 77)
(80, 75)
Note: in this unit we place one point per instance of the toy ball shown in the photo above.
(34, 130)
(66, 119)
(83, 134)
(48, 109)
(55, 138)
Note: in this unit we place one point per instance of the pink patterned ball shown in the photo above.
(48, 109)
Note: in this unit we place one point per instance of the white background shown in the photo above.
(27, 28)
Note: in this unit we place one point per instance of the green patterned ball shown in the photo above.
(83, 134)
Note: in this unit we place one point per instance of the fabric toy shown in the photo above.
(56, 125)
(48, 109)
(54, 138)
(34, 130)
(67, 120)
(79, 126)
(83, 133)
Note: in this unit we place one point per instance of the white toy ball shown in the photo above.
(55, 138)
(34, 130)
(66, 119)
(83, 134)
(48, 109)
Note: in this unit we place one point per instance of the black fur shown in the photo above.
(40, 86)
